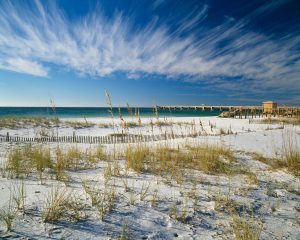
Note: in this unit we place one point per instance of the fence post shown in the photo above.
(7, 137)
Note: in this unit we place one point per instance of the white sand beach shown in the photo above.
(207, 205)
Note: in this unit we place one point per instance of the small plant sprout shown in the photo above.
(131, 197)
(154, 199)
(55, 205)
(125, 233)
(7, 215)
(144, 191)
(19, 196)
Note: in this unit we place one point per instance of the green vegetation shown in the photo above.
(78, 124)
(207, 158)
(246, 229)
(103, 201)
(291, 120)
(7, 216)
(290, 159)
(22, 161)
(135, 157)
(14, 122)
(61, 204)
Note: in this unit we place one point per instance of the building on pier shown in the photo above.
(269, 106)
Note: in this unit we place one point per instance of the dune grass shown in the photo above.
(135, 157)
(29, 159)
(61, 204)
(14, 122)
(24, 160)
(281, 120)
(206, 158)
(291, 156)
(246, 229)
(102, 200)
(7, 215)
(290, 159)
(79, 124)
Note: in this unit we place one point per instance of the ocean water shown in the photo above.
(80, 112)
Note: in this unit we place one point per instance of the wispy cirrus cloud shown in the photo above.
(35, 35)
(24, 66)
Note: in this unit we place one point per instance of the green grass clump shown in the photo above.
(7, 216)
(61, 204)
(132, 124)
(135, 157)
(211, 159)
(78, 124)
(290, 160)
(163, 123)
(103, 201)
(14, 122)
(22, 161)
(292, 120)
(165, 160)
(74, 159)
(246, 229)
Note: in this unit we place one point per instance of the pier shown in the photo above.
(267, 109)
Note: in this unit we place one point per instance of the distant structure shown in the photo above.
(269, 106)
(267, 109)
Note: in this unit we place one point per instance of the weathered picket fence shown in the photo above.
(109, 139)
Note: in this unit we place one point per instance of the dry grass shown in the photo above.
(61, 204)
(291, 155)
(22, 161)
(105, 125)
(19, 196)
(261, 158)
(135, 157)
(212, 159)
(131, 124)
(290, 159)
(55, 205)
(246, 229)
(292, 120)
(252, 178)
(103, 201)
(79, 124)
(14, 122)
(165, 160)
(225, 203)
(7, 216)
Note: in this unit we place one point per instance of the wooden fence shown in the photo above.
(109, 139)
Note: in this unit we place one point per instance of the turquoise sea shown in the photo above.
(79, 112)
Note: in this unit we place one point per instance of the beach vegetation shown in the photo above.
(246, 228)
(15, 122)
(7, 215)
(104, 200)
(18, 196)
(163, 160)
(79, 124)
(24, 160)
(61, 204)
(280, 120)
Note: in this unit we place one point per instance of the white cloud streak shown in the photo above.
(24, 66)
(32, 37)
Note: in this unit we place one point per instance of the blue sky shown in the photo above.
(149, 52)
